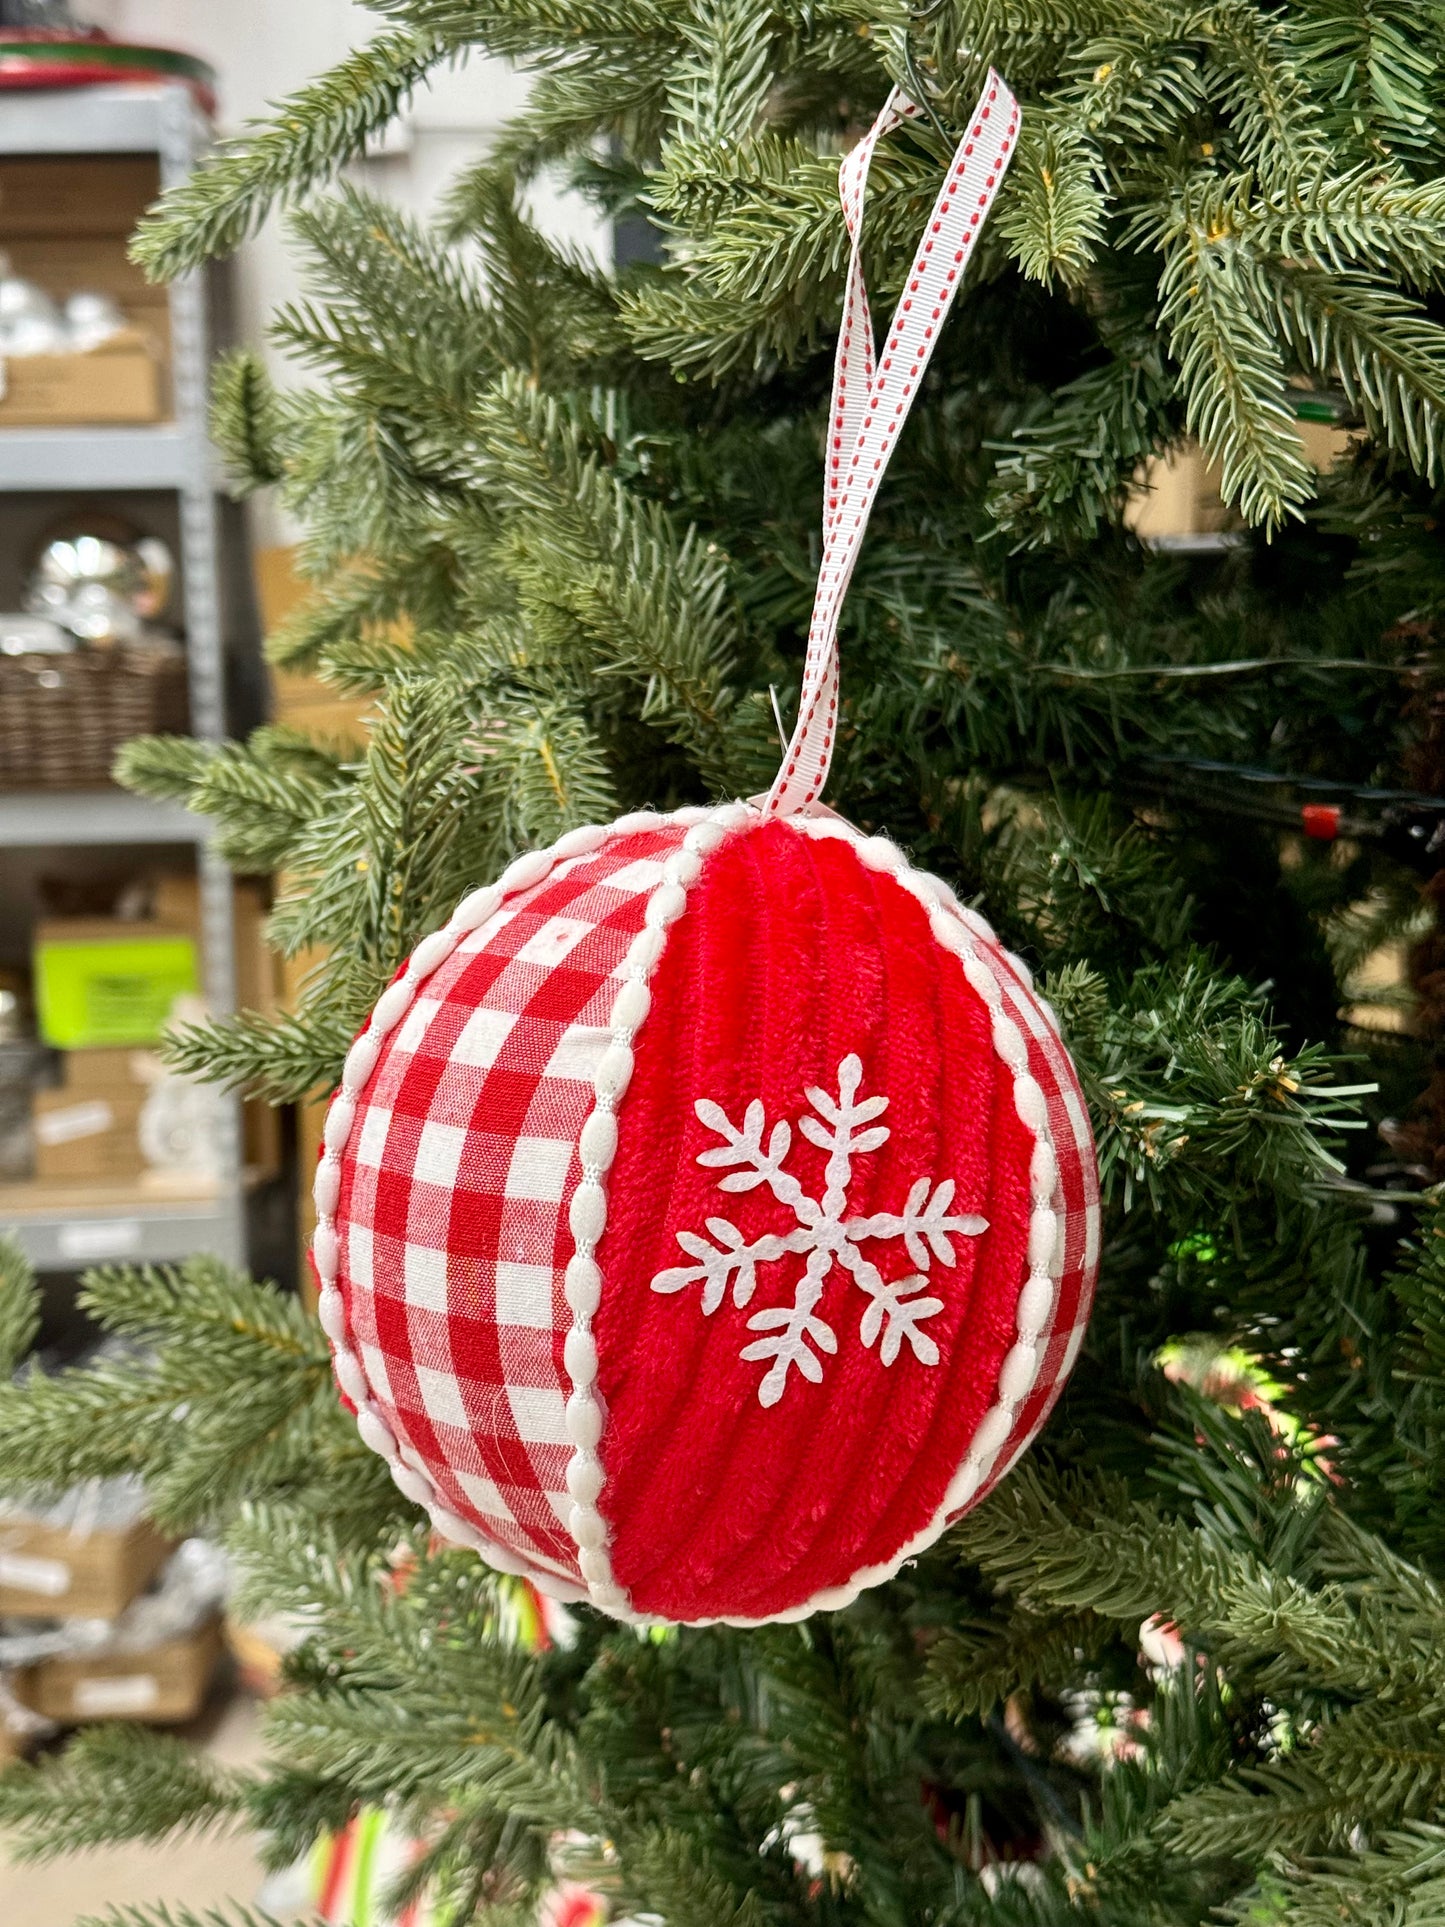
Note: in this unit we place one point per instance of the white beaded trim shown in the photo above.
(470, 914)
(956, 929)
(598, 1147)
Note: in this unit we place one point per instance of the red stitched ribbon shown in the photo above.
(872, 393)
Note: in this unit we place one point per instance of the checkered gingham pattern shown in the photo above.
(1076, 1200)
(457, 1177)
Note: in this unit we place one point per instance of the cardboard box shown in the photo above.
(175, 913)
(103, 983)
(177, 905)
(66, 264)
(49, 1572)
(88, 1134)
(75, 194)
(95, 264)
(90, 1127)
(66, 223)
(258, 987)
(1178, 494)
(120, 381)
(306, 703)
(87, 1072)
(163, 1686)
(104, 992)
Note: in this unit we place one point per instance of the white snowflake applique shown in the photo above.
(845, 1129)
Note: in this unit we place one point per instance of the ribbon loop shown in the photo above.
(873, 392)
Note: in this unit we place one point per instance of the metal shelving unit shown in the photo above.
(105, 1222)
(53, 819)
(35, 459)
(110, 1225)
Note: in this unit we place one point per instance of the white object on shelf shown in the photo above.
(30, 322)
(182, 1123)
(91, 1240)
(28, 635)
(91, 318)
(100, 1698)
(50, 1578)
(75, 1121)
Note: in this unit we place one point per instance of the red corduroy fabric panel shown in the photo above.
(791, 956)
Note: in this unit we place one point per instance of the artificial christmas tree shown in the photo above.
(563, 533)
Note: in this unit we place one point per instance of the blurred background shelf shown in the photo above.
(46, 819)
(66, 1227)
(121, 119)
(112, 460)
(78, 166)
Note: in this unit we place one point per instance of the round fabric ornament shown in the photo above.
(708, 1214)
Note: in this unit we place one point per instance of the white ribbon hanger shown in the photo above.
(873, 392)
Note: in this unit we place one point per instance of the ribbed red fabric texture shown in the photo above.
(792, 956)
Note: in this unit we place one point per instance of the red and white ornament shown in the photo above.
(708, 1214)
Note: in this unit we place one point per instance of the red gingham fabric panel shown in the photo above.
(455, 1187)
(1076, 1199)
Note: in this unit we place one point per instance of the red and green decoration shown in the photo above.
(48, 57)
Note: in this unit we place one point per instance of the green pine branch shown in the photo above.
(19, 1307)
(1055, 219)
(1385, 351)
(358, 612)
(1401, 1876)
(654, 605)
(162, 1914)
(247, 421)
(972, 1669)
(1376, 69)
(287, 1059)
(1072, 1545)
(315, 129)
(66, 1802)
(1360, 1771)
(266, 795)
(1231, 366)
(225, 1391)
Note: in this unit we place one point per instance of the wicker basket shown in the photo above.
(62, 718)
